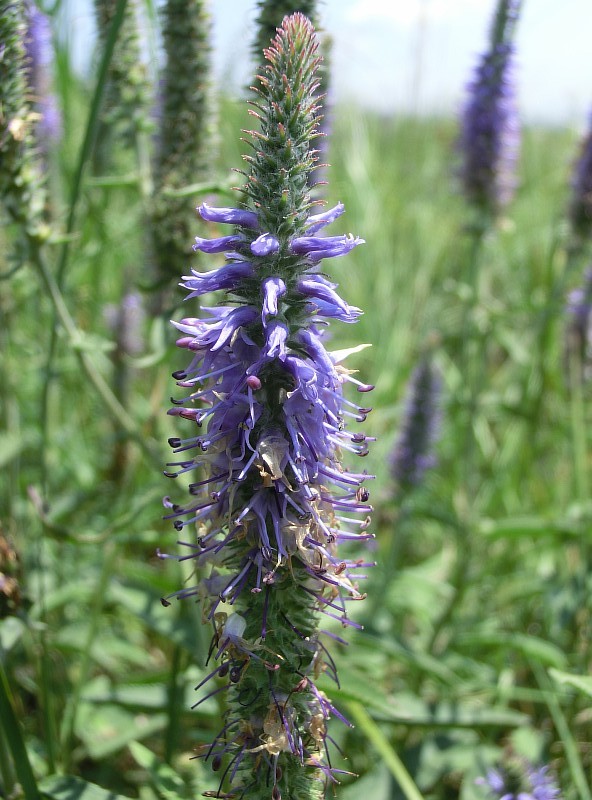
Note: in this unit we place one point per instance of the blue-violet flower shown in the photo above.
(521, 782)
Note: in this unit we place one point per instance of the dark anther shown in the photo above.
(235, 673)
(174, 442)
(164, 602)
(223, 671)
(178, 524)
(179, 375)
(275, 793)
(169, 474)
(216, 762)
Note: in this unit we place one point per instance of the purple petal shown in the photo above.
(275, 337)
(321, 289)
(232, 216)
(317, 247)
(220, 245)
(226, 277)
(273, 289)
(318, 221)
(265, 244)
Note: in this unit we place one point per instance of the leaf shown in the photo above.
(542, 651)
(165, 779)
(583, 683)
(107, 729)
(69, 787)
(410, 710)
(12, 444)
(519, 527)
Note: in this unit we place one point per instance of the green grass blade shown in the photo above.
(16, 743)
(391, 759)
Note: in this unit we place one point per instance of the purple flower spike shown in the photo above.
(270, 502)
(265, 244)
(40, 54)
(232, 216)
(490, 131)
(414, 449)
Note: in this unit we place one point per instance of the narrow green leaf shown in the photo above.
(383, 747)
(582, 683)
(69, 787)
(16, 743)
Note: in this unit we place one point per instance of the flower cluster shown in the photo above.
(271, 500)
(490, 134)
(524, 782)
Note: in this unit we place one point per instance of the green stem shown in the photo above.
(83, 159)
(174, 694)
(90, 133)
(383, 747)
(76, 338)
(16, 743)
(6, 771)
(562, 727)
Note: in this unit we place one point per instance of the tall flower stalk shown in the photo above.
(184, 151)
(490, 131)
(127, 92)
(272, 504)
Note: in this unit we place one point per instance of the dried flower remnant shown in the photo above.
(490, 131)
(413, 453)
(272, 503)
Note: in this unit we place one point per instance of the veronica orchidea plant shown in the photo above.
(271, 501)
(490, 133)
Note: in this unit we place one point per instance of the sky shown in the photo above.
(416, 55)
